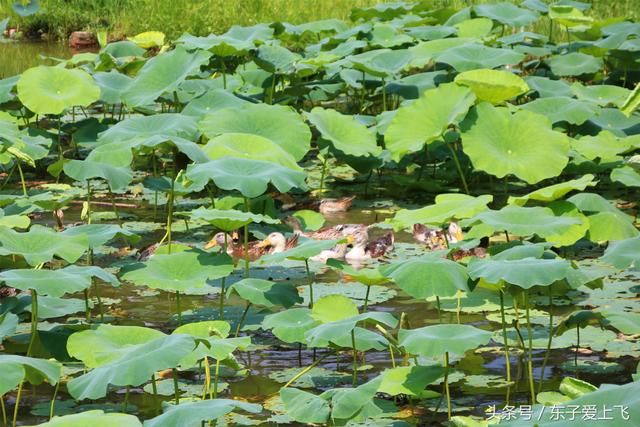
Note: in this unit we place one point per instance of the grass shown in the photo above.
(58, 18)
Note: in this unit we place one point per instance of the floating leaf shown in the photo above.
(193, 414)
(266, 293)
(95, 418)
(522, 144)
(429, 276)
(434, 341)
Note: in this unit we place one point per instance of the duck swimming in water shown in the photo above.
(335, 205)
(235, 249)
(364, 249)
(436, 239)
(276, 242)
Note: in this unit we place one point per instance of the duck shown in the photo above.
(277, 242)
(327, 233)
(337, 252)
(436, 239)
(235, 249)
(342, 204)
(364, 249)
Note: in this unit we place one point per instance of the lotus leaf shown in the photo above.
(574, 64)
(309, 220)
(230, 219)
(118, 177)
(344, 133)
(603, 95)
(51, 90)
(333, 308)
(522, 144)
(429, 276)
(632, 102)
(627, 176)
(624, 253)
(244, 145)
(305, 250)
(548, 87)
(180, 271)
(605, 226)
(506, 14)
(266, 293)
(163, 74)
(193, 414)
(426, 120)
(94, 418)
(148, 39)
(8, 325)
(523, 221)
(290, 325)
(211, 101)
(250, 177)
(524, 273)
(493, 85)
(16, 369)
(477, 27)
(335, 331)
(562, 109)
(282, 125)
(41, 244)
(473, 56)
(409, 380)
(434, 341)
(305, 407)
(605, 146)
(134, 366)
(56, 283)
(556, 191)
(446, 207)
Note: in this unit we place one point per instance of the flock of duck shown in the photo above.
(356, 244)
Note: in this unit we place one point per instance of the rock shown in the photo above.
(82, 39)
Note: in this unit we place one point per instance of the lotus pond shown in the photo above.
(486, 273)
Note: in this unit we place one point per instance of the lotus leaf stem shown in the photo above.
(8, 176)
(114, 206)
(507, 359)
(17, 404)
(244, 315)
(246, 241)
(458, 167)
(24, 186)
(366, 298)
(126, 399)
(446, 383)
(223, 281)
(207, 379)
(178, 309)
(154, 388)
(575, 358)
(323, 173)
(305, 370)
(4, 411)
(551, 332)
(310, 280)
(215, 379)
(355, 357)
(530, 339)
(34, 320)
(384, 95)
(438, 306)
(176, 390)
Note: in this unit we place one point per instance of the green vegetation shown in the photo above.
(162, 262)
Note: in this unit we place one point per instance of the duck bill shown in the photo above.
(211, 244)
(263, 244)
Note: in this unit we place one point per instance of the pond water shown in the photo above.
(476, 383)
(15, 57)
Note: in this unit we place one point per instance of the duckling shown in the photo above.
(335, 205)
(235, 249)
(380, 246)
(437, 239)
(278, 243)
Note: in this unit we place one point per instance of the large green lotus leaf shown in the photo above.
(366, 340)
(51, 90)
(555, 191)
(16, 368)
(386, 35)
(473, 56)
(523, 221)
(163, 73)
(614, 120)
(205, 329)
(41, 244)
(568, 15)
(180, 271)
(522, 144)
(624, 253)
(276, 59)
(344, 132)
(426, 119)
(6, 88)
(99, 234)
(572, 233)
(250, 177)
(603, 95)
(142, 127)
(230, 219)
(446, 207)
(574, 64)
(94, 418)
(334, 332)
(607, 396)
(112, 86)
(506, 14)
(123, 49)
(562, 109)
(280, 124)
(106, 343)
(424, 52)
(632, 102)
(409, 380)
(118, 177)
(249, 146)
(606, 226)
(194, 414)
(148, 39)
(219, 346)
(434, 341)
(290, 325)
(381, 62)
(366, 276)
(627, 176)
(332, 308)
(524, 273)
(592, 203)
(303, 251)
(605, 146)
(134, 367)
(305, 407)
(493, 85)
(626, 322)
(8, 324)
(211, 101)
(14, 221)
(429, 276)
(309, 220)
(265, 293)
(56, 283)
(357, 402)
(51, 307)
(549, 88)
(476, 27)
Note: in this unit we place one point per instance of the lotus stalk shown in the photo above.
(446, 383)
(24, 186)
(530, 348)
